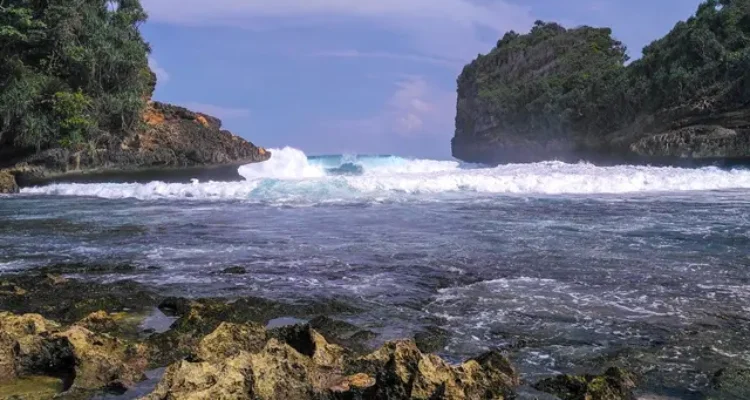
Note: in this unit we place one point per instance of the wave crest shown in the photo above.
(292, 177)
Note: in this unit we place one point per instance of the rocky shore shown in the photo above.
(172, 140)
(67, 339)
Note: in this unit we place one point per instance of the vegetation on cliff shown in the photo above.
(75, 98)
(71, 72)
(576, 84)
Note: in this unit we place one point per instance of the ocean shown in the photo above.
(565, 265)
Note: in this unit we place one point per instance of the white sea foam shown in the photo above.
(291, 177)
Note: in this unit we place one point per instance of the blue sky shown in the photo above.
(354, 76)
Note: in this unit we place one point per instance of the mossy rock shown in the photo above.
(32, 388)
(615, 384)
(70, 300)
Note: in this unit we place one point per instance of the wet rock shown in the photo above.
(343, 333)
(8, 182)
(234, 271)
(87, 268)
(117, 324)
(615, 384)
(69, 300)
(730, 383)
(432, 339)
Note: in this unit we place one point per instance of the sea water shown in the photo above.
(565, 264)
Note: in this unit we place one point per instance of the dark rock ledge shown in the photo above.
(174, 145)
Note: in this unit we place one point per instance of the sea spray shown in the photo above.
(292, 177)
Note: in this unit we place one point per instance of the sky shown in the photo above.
(355, 76)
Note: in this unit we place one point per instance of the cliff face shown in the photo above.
(567, 94)
(171, 137)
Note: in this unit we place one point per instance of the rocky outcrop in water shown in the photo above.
(615, 384)
(221, 349)
(171, 138)
(568, 94)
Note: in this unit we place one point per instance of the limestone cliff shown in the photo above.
(568, 94)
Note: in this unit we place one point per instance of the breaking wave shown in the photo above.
(293, 177)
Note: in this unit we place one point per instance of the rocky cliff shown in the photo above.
(171, 138)
(569, 94)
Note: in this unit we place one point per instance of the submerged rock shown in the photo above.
(730, 383)
(615, 384)
(234, 271)
(32, 388)
(70, 300)
(343, 333)
(432, 339)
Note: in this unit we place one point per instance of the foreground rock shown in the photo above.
(34, 348)
(569, 94)
(615, 384)
(298, 363)
(197, 318)
(172, 137)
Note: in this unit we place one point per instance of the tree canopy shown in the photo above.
(71, 71)
(560, 81)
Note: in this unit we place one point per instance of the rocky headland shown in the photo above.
(174, 144)
(76, 103)
(570, 94)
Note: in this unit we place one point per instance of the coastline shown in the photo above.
(220, 172)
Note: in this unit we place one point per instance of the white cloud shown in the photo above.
(415, 108)
(162, 76)
(447, 28)
(220, 112)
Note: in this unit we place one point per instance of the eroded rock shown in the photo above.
(32, 347)
(298, 363)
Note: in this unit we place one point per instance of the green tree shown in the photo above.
(71, 71)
